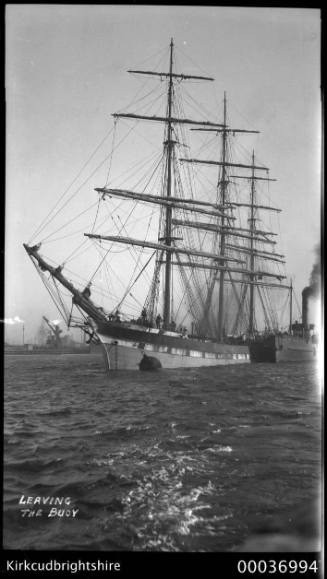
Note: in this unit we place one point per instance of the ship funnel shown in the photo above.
(306, 293)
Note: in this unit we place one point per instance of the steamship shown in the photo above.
(178, 239)
(299, 344)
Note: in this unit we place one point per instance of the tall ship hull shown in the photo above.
(129, 347)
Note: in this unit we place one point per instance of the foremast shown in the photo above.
(169, 143)
(169, 146)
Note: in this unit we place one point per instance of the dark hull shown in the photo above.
(282, 348)
(126, 344)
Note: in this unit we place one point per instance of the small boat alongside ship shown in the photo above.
(199, 263)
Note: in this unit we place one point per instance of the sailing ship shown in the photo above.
(186, 261)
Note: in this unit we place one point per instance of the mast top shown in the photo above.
(170, 74)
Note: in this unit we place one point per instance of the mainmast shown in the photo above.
(225, 227)
(252, 235)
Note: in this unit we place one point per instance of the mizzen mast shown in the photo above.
(252, 249)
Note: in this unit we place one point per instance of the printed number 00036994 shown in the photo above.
(272, 566)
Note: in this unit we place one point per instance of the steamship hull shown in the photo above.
(126, 344)
(282, 348)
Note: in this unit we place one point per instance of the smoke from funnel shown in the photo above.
(306, 293)
(315, 276)
(313, 290)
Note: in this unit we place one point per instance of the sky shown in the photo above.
(66, 73)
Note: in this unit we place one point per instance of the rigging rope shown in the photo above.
(187, 56)
(112, 150)
(96, 215)
(137, 277)
(56, 299)
(47, 219)
(70, 221)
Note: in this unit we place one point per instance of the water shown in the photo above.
(179, 460)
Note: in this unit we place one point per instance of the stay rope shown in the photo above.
(49, 218)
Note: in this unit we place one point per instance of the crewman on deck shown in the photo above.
(144, 317)
(158, 321)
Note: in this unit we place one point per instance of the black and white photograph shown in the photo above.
(163, 332)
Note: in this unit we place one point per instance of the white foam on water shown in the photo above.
(163, 499)
(102, 461)
(218, 449)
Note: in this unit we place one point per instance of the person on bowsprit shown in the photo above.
(86, 291)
